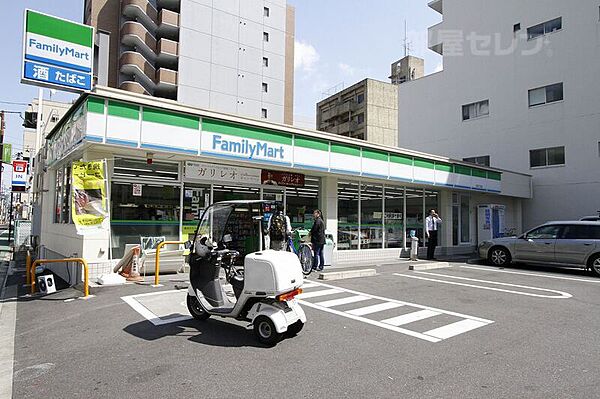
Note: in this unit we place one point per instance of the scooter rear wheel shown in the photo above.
(196, 309)
(265, 331)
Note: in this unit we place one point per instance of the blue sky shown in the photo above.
(338, 42)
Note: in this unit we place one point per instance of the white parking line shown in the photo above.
(314, 294)
(380, 307)
(149, 315)
(392, 323)
(411, 317)
(561, 294)
(342, 301)
(493, 269)
(453, 329)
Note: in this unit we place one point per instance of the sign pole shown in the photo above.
(10, 217)
(38, 126)
(1, 143)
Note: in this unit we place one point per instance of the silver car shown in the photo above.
(574, 243)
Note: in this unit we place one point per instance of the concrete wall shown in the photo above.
(381, 116)
(221, 57)
(431, 108)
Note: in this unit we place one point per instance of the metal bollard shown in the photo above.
(414, 248)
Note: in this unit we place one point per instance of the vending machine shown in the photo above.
(490, 221)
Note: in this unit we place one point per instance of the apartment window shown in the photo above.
(263, 113)
(54, 118)
(599, 148)
(360, 98)
(265, 62)
(476, 110)
(544, 28)
(265, 36)
(360, 118)
(516, 27)
(547, 157)
(546, 94)
(482, 160)
(265, 88)
(266, 11)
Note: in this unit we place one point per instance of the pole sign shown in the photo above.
(19, 177)
(57, 53)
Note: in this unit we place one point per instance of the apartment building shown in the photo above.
(232, 56)
(519, 91)
(368, 110)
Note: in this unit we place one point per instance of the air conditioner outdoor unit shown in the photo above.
(46, 284)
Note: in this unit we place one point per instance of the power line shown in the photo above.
(12, 112)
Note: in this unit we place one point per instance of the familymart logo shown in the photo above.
(247, 149)
(58, 52)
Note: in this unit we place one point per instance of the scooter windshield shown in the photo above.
(214, 221)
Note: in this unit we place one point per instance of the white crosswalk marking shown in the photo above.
(314, 294)
(450, 330)
(342, 301)
(380, 307)
(314, 291)
(410, 317)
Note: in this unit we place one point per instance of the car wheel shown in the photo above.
(499, 256)
(595, 265)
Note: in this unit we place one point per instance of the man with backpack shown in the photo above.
(280, 229)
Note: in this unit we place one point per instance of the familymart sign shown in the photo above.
(57, 53)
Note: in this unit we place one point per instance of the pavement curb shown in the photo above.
(339, 275)
(417, 266)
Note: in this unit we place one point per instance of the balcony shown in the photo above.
(134, 64)
(339, 109)
(437, 5)
(168, 24)
(133, 87)
(142, 11)
(435, 40)
(167, 53)
(134, 34)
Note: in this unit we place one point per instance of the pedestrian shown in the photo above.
(317, 238)
(279, 228)
(432, 225)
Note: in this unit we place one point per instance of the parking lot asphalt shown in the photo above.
(467, 331)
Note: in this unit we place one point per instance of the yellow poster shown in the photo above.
(89, 203)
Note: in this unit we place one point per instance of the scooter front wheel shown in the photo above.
(196, 309)
(265, 331)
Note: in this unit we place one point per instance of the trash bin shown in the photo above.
(328, 248)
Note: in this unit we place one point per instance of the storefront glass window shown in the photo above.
(301, 202)
(62, 196)
(135, 169)
(465, 234)
(394, 217)
(347, 215)
(153, 214)
(414, 213)
(232, 193)
(431, 202)
(195, 199)
(371, 221)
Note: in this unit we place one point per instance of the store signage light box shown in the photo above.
(57, 53)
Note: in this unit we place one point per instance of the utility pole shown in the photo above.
(2, 127)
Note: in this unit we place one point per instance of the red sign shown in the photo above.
(275, 178)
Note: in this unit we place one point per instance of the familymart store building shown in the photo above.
(166, 162)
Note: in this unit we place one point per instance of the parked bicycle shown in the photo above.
(304, 253)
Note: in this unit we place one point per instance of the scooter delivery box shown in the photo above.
(272, 272)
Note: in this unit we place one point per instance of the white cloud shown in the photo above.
(305, 56)
(346, 69)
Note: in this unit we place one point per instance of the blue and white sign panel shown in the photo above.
(57, 53)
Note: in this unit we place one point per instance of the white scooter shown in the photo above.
(266, 287)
